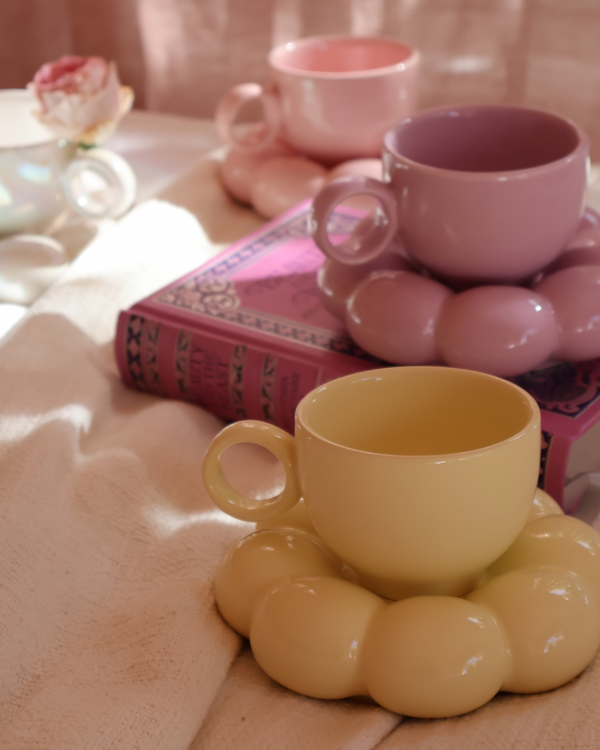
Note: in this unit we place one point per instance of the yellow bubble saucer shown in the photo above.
(531, 624)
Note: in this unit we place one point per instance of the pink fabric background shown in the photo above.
(182, 55)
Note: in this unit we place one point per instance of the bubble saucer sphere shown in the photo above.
(531, 624)
(406, 317)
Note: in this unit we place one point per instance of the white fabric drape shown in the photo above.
(109, 635)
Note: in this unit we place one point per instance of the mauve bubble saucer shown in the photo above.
(406, 317)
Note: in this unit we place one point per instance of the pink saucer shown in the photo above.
(404, 317)
(239, 168)
(276, 179)
(282, 182)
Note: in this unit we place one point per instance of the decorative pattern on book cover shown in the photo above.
(566, 389)
(230, 287)
(141, 350)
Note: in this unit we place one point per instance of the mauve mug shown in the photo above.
(331, 97)
(478, 193)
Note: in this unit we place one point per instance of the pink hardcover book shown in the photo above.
(246, 337)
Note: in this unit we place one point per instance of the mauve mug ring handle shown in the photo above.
(372, 235)
(229, 500)
(230, 107)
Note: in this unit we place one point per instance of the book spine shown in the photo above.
(231, 378)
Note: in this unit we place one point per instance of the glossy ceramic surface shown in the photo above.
(414, 304)
(404, 317)
(485, 193)
(530, 623)
(337, 281)
(40, 175)
(501, 329)
(239, 167)
(574, 294)
(276, 179)
(332, 97)
(283, 182)
(417, 477)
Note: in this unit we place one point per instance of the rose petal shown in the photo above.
(81, 98)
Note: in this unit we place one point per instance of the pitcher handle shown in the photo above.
(116, 182)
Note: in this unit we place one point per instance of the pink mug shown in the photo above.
(478, 194)
(331, 97)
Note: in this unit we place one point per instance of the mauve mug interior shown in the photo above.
(486, 140)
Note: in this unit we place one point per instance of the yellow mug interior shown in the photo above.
(417, 411)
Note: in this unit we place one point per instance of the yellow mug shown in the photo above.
(417, 477)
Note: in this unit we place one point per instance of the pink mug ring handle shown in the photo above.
(373, 234)
(229, 108)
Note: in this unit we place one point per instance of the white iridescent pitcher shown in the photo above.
(40, 175)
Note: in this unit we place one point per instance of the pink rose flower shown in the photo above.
(80, 98)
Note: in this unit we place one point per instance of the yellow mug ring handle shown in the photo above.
(280, 443)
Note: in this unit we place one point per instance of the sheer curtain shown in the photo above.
(181, 55)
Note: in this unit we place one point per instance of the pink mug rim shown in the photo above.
(582, 145)
(408, 62)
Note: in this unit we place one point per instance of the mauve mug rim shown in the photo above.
(582, 146)
(409, 61)
(528, 400)
(51, 140)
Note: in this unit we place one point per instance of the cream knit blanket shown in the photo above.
(109, 635)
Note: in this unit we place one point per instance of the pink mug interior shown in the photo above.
(484, 139)
(340, 55)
